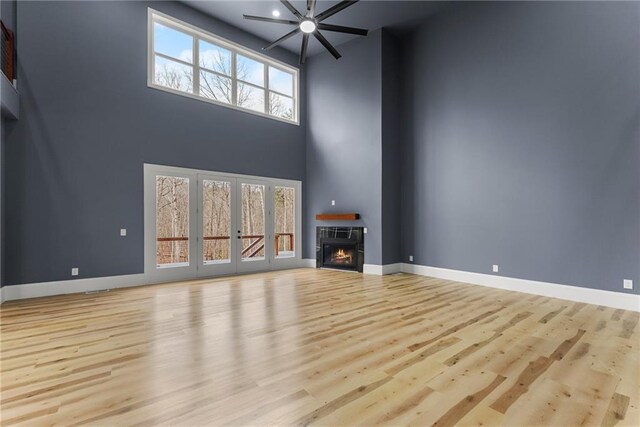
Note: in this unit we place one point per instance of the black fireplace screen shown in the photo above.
(340, 255)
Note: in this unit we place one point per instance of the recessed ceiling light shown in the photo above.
(307, 26)
(276, 13)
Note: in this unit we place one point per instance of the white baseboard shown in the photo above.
(572, 293)
(381, 270)
(43, 289)
(392, 268)
(372, 269)
(308, 263)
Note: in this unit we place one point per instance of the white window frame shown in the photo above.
(154, 16)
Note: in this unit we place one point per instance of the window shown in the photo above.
(188, 61)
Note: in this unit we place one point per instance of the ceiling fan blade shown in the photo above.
(291, 8)
(281, 39)
(327, 45)
(303, 49)
(341, 29)
(311, 7)
(275, 21)
(335, 9)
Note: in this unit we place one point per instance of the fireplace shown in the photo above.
(340, 248)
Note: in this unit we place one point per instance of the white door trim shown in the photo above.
(155, 275)
(167, 274)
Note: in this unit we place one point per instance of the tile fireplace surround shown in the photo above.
(340, 248)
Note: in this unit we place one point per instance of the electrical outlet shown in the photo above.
(411, 258)
(123, 231)
(75, 271)
(333, 203)
(627, 284)
(495, 268)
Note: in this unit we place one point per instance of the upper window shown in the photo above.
(188, 61)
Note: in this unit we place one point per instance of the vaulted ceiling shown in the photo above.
(369, 14)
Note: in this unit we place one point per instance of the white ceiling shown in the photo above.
(369, 14)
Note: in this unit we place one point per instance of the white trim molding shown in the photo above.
(43, 289)
(308, 263)
(572, 293)
(381, 270)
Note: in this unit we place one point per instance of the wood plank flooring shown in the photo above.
(308, 346)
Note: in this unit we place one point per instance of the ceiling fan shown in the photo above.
(311, 23)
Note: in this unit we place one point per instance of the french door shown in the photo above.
(202, 224)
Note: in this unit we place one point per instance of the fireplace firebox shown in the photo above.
(340, 248)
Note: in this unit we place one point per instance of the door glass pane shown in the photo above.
(252, 223)
(216, 222)
(172, 221)
(284, 203)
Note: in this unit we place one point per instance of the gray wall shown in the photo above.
(344, 136)
(8, 13)
(523, 142)
(74, 160)
(2, 206)
(391, 148)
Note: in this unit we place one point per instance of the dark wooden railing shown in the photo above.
(277, 241)
(254, 247)
(8, 55)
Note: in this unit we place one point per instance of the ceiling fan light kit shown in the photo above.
(307, 26)
(311, 24)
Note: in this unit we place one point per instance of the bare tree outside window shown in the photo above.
(284, 204)
(172, 220)
(195, 63)
(174, 75)
(278, 108)
(216, 206)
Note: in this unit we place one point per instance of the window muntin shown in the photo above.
(249, 70)
(214, 58)
(172, 43)
(189, 61)
(173, 74)
(281, 81)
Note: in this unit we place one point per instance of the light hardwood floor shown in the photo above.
(317, 347)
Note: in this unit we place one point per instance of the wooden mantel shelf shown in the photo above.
(337, 217)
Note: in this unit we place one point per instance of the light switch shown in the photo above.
(333, 203)
(365, 230)
(123, 231)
